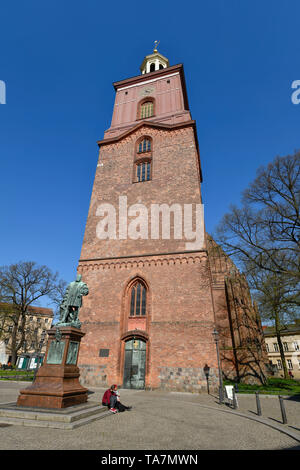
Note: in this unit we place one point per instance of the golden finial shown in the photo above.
(155, 45)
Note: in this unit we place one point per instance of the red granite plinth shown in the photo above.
(57, 385)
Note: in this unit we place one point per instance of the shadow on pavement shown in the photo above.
(293, 398)
(253, 412)
(276, 420)
(293, 427)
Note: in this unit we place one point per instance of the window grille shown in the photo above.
(145, 146)
(146, 110)
(143, 171)
(138, 300)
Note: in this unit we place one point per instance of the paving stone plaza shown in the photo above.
(164, 421)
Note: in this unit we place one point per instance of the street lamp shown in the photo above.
(206, 370)
(216, 338)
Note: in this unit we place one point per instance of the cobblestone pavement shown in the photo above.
(164, 421)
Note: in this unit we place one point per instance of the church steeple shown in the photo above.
(154, 61)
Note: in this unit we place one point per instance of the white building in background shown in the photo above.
(290, 338)
(38, 321)
(3, 355)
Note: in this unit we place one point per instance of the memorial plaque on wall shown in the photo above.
(104, 352)
(72, 352)
(56, 352)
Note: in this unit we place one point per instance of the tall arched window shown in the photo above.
(138, 299)
(144, 145)
(143, 161)
(146, 109)
(143, 171)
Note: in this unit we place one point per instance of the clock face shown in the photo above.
(147, 91)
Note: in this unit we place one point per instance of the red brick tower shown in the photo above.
(149, 316)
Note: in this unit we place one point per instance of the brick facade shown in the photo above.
(242, 346)
(181, 292)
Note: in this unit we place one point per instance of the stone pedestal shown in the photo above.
(57, 381)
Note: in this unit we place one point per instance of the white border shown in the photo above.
(148, 81)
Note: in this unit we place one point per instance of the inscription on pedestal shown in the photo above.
(56, 352)
(72, 352)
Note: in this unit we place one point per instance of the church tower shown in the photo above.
(149, 316)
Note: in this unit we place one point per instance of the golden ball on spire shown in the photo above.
(155, 45)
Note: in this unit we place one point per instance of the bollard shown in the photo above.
(283, 414)
(207, 383)
(258, 404)
(221, 396)
(234, 399)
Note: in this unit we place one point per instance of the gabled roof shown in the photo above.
(155, 125)
(32, 309)
(290, 329)
(141, 123)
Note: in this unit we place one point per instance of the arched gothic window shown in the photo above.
(138, 299)
(143, 161)
(144, 145)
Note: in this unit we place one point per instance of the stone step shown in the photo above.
(59, 419)
(53, 424)
(90, 419)
(87, 413)
(52, 416)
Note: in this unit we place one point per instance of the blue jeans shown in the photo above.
(113, 401)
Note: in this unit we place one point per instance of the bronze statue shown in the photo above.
(71, 303)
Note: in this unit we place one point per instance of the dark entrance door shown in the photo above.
(135, 364)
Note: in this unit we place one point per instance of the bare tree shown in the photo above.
(265, 231)
(272, 293)
(263, 237)
(21, 285)
(57, 297)
(6, 312)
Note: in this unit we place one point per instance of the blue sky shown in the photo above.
(59, 59)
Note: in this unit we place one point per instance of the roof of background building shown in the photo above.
(290, 329)
(32, 309)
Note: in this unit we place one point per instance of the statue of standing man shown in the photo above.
(71, 303)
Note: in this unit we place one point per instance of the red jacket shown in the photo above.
(106, 397)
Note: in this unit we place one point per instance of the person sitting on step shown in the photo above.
(111, 398)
